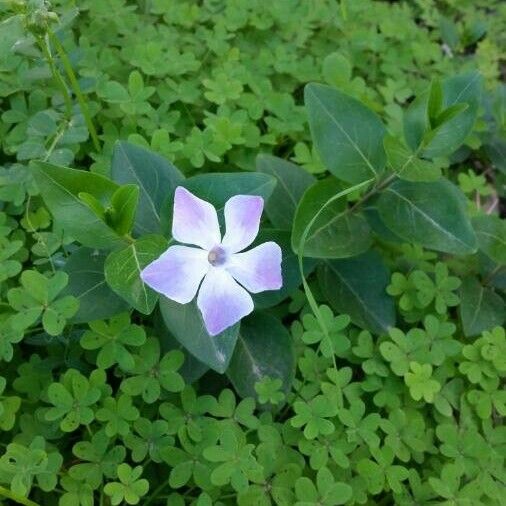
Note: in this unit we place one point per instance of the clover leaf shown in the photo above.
(73, 399)
(151, 373)
(130, 487)
(420, 382)
(118, 413)
(112, 339)
(38, 297)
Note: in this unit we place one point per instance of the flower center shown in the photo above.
(217, 256)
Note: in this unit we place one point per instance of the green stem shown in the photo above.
(56, 76)
(5, 492)
(300, 255)
(75, 87)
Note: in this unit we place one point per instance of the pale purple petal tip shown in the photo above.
(222, 301)
(242, 220)
(177, 273)
(194, 221)
(258, 269)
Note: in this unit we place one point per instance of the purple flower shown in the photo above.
(224, 272)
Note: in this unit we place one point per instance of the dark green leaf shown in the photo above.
(97, 301)
(217, 188)
(347, 135)
(60, 187)
(433, 215)
(185, 323)
(123, 268)
(480, 308)
(337, 232)
(491, 234)
(357, 287)
(155, 176)
(292, 182)
(264, 348)
(408, 165)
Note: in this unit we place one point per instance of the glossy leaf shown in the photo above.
(337, 232)
(185, 323)
(60, 188)
(85, 268)
(155, 176)
(123, 268)
(347, 135)
(431, 214)
(264, 348)
(357, 286)
(292, 182)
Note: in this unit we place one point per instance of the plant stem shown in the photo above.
(44, 46)
(300, 255)
(5, 492)
(75, 87)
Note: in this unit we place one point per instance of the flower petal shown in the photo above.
(222, 301)
(259, 268)
(177, 273)
(195, 221)
(242, 220)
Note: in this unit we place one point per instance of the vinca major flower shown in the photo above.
(219, 266)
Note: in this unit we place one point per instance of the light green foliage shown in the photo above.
(381, 379)
(38, 298)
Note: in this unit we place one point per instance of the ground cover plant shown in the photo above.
(369, 138)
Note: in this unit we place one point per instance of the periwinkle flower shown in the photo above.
(221, 268)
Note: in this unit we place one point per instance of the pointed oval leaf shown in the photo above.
(155, 176)
(433, 215)
(347, 134)
(357, 286)
(480, 307)
(264, 348)
(337, 233)
(292, 180)
(123, 269)
(85, 268)
(185, 323)
(60, 188)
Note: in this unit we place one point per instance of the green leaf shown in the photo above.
(357, 287)
(60, 188)
(435, 102)
(454, 124)
(264, 348)
(123, 268)
(124, 205)
(491, 234)
(85, 268)
(185, 323)
(433, 215)
(480, 308)
(217, 188)
(408, 165)
(347, 135)
(292, 182)
(337, 232)
(155, 176)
